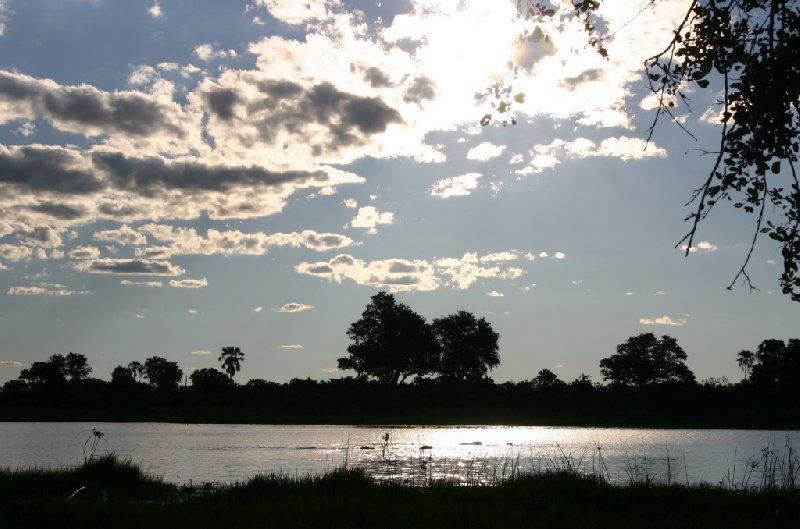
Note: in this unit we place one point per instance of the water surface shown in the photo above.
(224, 453)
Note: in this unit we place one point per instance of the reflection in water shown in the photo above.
(227, 453)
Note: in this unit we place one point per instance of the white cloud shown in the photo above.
(45, 289)
(201, 353)
(124, 236)
(258, 309)
(463, 272)
(663, 320)
(3, 17)
(189, 283)
(208, 52)
(456, 185)
(560, 256)
(350, 203)
(397, 275)
(292, 346)
(528, 288)
(129, 267)
(10, 252)
(495, 294)
(155, 10)
(193, 312)
(10, 363)
(140, 316)
(126, 282)
(84, 252)
(369, 217)
(622, 147)
(771, 262)
(327, 191)
(297, 12)
(659, 293)
(485, 151)
(577, 282)
(294, 307)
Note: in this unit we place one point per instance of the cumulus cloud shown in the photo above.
(155, 10)
(129, 266)
(294, 307)
(11, 252)
(350, 203)
(154, 284)
(201, 353)
(495, 294)
(193, 312)
(461, 185)
(663, 320)
(293, 12)
(485, 151)
(258, 309)
(702, 245)
(189, 283)
(396, 275)
(463, 272)
(124, 236)
(84, 252)
(622, 147)
(369, 217)
(292, 346)
(209, 52)
(45, 289)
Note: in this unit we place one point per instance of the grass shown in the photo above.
(351, 499)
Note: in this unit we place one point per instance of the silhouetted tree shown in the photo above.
(546, 379)
(209, 378)
(644, 360)
(584, 381)
(14, 386)
(777, 364)
(390, 342)
(122, 375)
(745, 360)
(76, 366)
(53, 371)
(162, 373)
(467, 346)
(231, 358)
(137, 370)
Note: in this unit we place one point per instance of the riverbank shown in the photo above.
(110, 493)
(451, 416)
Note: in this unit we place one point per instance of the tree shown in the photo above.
(546, 379)
(209, 378)
(467, 346)
(76, 367)
(745, 361)
(390, 342)
(645, 360)
(122, 375)
(777, 364)
(745, 50)
(137, 370)
(162, 373)
(53, 371)
(231, 358)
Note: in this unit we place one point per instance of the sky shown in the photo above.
(178, 176)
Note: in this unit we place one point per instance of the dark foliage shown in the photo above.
(645, 360)
(209, 378)
(162, 373)
(777, 364)
(467, 346)
(231, 359)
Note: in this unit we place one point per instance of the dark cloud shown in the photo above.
(58, 211)
(221, 102)
(52, 169)
(586, 76)
(376, 78)
(402, 268)
(321, 269)
(325, 241)
(128, 112)
(130, 267)
(150, 175)
(280, 89)
(421, 89)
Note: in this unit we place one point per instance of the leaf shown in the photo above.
(520, 98)
(702, 83)
(776, 167)
(503, 107)
(486, 119)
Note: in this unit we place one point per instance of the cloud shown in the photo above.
(10, 363)
(201, 353)
(124, 236)
(3, 17)
(156, 284)
(663, 320)
(396, 275)
(702, 245)
(258, 309)
(294, 307)
(495, 294)
(140, 316)
(485, 151)
(461, 185)
(350, 203)
(622, 147)
(129, 266)
(189, 283)
(45, 289)
(294, 12)
(208, 52)
(155, 10)
(369, 217)
(193, 312)
(463, 272)
(560, 256)
(293, 346)
(84, 252)
(10, 252)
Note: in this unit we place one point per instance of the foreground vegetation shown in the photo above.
(111, 493)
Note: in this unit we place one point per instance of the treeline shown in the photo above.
(410, 370)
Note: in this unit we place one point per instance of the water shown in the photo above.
(228, 453)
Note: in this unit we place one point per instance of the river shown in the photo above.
(223, 453)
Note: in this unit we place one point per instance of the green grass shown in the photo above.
(351, 499)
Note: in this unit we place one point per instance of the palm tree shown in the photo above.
(745, 359)
(231, 359)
